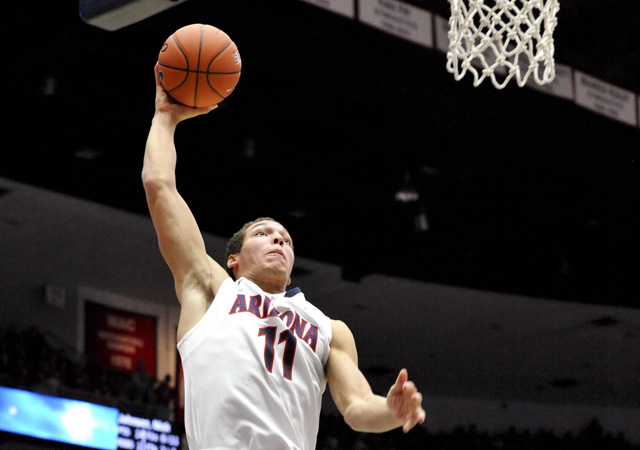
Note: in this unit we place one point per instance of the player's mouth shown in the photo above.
(277, 252)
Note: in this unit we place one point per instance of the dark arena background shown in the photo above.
(485, 239)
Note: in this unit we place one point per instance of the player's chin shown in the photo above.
(279, 270)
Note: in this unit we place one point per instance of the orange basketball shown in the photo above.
(199, 65)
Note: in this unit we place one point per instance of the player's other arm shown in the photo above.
(197, 277)
(361, 408)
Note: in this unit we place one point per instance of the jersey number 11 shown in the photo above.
(290, 342)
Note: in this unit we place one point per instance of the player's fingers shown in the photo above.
(416, 400)
(205, 109)
(413, 421)
(408, 388)
(415, 415)
(158, 75)
(400, 380)
(411, 403)
(403, 376)
(409, 424)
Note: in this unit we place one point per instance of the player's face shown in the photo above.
(267, 251)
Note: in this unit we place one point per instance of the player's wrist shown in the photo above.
(165, 119)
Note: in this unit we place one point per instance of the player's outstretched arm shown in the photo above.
(361, 408)
(197, 277)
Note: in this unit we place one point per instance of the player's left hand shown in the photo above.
(405, 402)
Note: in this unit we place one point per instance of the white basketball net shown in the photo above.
(502, 37)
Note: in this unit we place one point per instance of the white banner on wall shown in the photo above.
(343, 7)
(441, 32)
(399, 19)
(605, 98)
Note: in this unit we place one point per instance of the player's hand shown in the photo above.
(179, 112)
(405, 402)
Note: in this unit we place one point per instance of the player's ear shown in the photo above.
(232, 265)
(232, 261)
(289, 281)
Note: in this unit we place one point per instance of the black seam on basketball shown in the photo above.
(195, 90)
(214, 90)
(175, 39)
(218, 54)
(167, 66)
(217, 73)
(181, 69)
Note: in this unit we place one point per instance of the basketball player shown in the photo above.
(256, 357)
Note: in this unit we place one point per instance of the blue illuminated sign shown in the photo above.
(58, 419)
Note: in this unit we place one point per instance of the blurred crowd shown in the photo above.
(32, 361)
(336, 435)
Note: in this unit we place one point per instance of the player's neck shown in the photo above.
(272, 289)
(269, 286)
(272, 282)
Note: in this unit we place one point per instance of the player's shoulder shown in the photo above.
(337, 323)
(340, 333)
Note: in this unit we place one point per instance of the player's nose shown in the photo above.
(279, 240)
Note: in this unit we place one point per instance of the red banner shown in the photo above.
(119, 340)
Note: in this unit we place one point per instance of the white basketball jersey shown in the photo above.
(254, 370)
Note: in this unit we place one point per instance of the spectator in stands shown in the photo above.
(164, 393)
(141, 384)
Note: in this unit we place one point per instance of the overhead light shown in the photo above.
(249, 148)
(88, 154)
(297, 214)
(421, 221)
(48, 87)
(407, 193)
(429, 170)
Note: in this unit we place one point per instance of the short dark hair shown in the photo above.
(235, 243)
